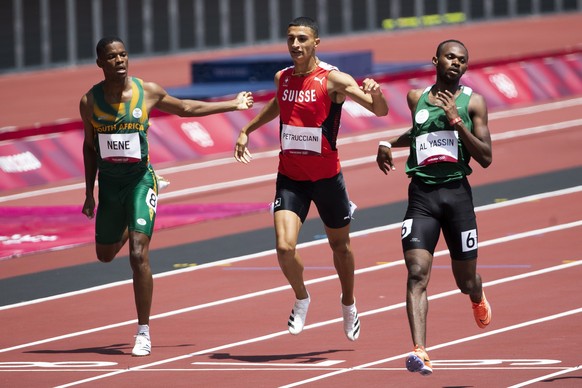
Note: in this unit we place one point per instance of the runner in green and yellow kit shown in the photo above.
(115, 115)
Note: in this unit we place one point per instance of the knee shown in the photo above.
(418, 270)
(466, 286)
(341, 249)
(285, 250)
(138, 259)
(417, 273)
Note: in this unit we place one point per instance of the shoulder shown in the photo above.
(327, 66)
(414, 94)
(413, 97)
(280, 73)
(90, 93)
(152, 88)
(86, 106)
(338, 77)
(87, 96)
(87, 99)
(477, 101)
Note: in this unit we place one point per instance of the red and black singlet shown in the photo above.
(309, 125)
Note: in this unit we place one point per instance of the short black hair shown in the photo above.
(304, 21)
(442, 44)
(103, 42)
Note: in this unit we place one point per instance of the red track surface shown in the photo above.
(225, 324)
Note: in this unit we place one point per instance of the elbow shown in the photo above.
(486, 162)
(382, 112)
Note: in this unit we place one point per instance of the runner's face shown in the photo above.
(452, 62)
(114, 60)
(301, 42)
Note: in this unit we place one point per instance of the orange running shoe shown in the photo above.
(482, 312)
(418, 361)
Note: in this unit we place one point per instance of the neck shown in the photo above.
(114, 89)
(117, 83)
(310, 70)
(441, 87)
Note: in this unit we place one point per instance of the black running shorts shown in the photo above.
(329, 196)
(447, 207)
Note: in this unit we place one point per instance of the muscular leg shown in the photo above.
(419, 264)
(467, 278)
(287, 226)
(343, 260)
(143, 283)
(140, 265)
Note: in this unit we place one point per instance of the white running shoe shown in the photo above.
(162, 182)
(143, 345)
(298, 315)
(351, 321)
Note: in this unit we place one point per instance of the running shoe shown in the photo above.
(418, 361)
(143, 345)
(298, 315)
(162, 182)
(351, 321)
(482, 312)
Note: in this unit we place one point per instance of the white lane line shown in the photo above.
(321, 377)
(308, 327)
(314, 281)
(251, 256)
(443, 345)
(542, 378)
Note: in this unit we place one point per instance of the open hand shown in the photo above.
(244, 100)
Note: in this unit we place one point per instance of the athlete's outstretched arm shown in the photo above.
(158, 97)
(269, 112)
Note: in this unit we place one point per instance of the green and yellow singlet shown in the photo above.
(121, 133)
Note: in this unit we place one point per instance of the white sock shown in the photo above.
(349, 308)
(143, 329)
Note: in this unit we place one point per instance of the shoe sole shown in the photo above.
(140, 355)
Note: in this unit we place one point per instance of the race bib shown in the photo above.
(120, 147)
(435, 147)
(301, 139)
(152, 200)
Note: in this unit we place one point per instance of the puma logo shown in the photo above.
(320, 80)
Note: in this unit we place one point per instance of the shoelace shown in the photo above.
(351, 318)
(481, 307)
(141, 337)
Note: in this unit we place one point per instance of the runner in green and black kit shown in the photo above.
(115, 118)
(449, 128)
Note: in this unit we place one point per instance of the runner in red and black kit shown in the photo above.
(308, 102)
(309, 167)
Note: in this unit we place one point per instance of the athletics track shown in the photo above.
(222, 324)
